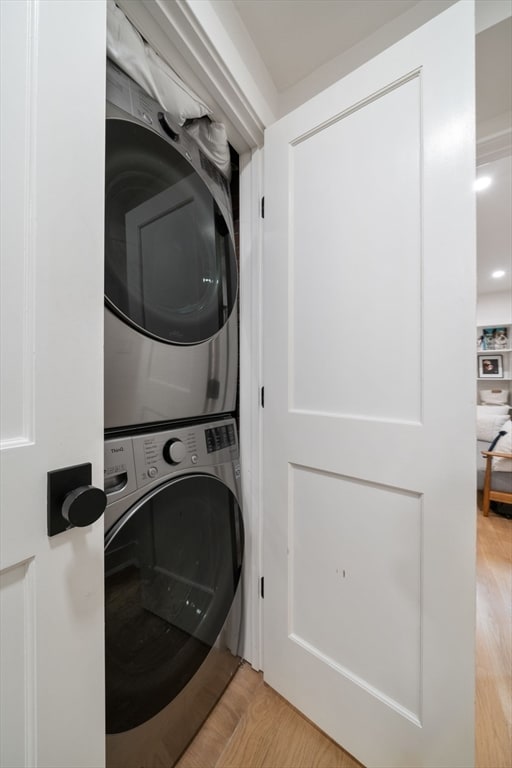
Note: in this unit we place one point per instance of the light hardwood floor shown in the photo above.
(253, 727)
(494, 643)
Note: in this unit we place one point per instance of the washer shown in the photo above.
(171, 327)
(173, 563)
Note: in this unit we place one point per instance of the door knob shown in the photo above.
(72, 500)
(84, 505)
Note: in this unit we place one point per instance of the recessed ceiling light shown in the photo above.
(499, 273)
(482, 183)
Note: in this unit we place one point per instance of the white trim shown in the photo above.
(494, 147)
(251, 236)
(29, 250)
(30, 662)
(229, 38)
(19, 143)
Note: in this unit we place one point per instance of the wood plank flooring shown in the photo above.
(253, 727)
(494, 643)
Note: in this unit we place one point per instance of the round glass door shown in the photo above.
(172, 568)
(170, 267)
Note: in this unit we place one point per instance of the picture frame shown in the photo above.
(494, 339)
(490, 366)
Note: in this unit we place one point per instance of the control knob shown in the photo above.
(174, 451)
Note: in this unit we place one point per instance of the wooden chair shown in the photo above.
(488, 493)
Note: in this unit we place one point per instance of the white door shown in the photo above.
(51, 589)
(369, 503)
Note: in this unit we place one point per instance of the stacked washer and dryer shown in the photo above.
(174, 530)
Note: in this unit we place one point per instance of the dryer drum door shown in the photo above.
(170, 267)
(172, 568)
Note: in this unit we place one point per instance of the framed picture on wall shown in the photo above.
(494, 338)
(490, 366)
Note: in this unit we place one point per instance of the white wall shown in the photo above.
(494, 308)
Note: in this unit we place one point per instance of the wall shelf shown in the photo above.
(493, 351)
(489, 382)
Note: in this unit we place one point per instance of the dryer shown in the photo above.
(171, 327)
(173, 563)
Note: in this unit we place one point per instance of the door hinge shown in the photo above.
(262, 587)
(263, 207)
(262, 397)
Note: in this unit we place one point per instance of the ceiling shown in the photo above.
(296, 37)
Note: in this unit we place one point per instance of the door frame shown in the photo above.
(251, 394)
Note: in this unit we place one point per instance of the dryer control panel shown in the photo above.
(134, 462)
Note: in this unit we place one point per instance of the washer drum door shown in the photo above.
(172, 571)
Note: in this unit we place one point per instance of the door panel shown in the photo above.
(51, 590)
(369, 532)
(381, 656)
(374, 239)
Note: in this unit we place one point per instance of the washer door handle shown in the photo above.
(72, 501)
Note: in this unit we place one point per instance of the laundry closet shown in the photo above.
(351, 517)
(174, 530)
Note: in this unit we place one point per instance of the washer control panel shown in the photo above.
(156, 455)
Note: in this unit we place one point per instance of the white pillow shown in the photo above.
(495, 396)
(504, 445)
(487, 427)
(487, 410)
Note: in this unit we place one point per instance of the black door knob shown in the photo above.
(72, 500)
(84, 505)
